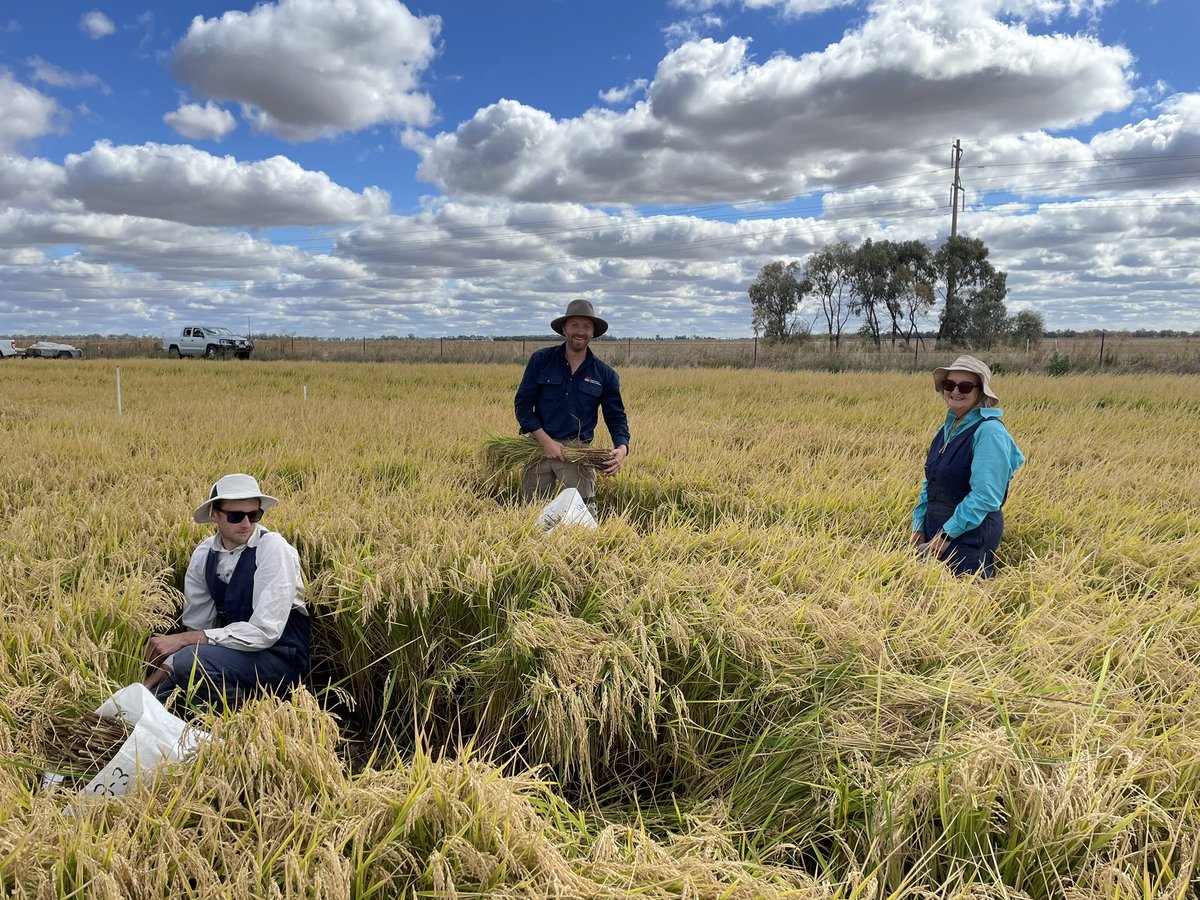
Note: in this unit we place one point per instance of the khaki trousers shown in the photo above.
(547, 477)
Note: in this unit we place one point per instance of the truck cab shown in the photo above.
(208, 341)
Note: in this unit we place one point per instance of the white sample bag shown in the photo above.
(567, 508)
(157, 738)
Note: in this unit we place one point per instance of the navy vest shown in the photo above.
(948, 471)
(948, 481)
(235, 603)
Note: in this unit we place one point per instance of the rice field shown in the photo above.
(740, 685)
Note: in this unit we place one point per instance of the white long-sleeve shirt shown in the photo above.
(278, 589)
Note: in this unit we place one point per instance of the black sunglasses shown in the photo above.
(235, 516)
(964, 387)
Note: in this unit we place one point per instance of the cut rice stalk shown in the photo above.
(81, 745)
(504, 452)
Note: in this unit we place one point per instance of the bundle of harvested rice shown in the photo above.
(504, 452)
(80, 746)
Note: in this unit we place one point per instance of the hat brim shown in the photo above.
(940, 373)
(599, 326)
(203, 512)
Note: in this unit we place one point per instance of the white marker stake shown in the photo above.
(119, 390)
(306, 393)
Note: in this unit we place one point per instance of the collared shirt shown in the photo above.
(278, 589)
(996, 458)
(565, 404)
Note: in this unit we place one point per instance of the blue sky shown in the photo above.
(366, 167)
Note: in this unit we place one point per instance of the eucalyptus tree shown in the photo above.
(776, 297)
(974, 292)
(828, 271)
(912, 295)
(871, 284)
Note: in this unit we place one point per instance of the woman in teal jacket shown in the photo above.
(967, 471)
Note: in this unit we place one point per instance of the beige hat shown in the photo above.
(232, 487)
(968, 364)
(581, 307)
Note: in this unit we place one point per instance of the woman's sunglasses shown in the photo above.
(235, 516)
(964, 387)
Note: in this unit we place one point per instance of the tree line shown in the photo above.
(891, 287)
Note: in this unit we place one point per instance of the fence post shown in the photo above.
(754, 362)
(1100, 364)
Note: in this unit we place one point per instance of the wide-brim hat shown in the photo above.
(232, 487)
(967, 364)
(581, 307)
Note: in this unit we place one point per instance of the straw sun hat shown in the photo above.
(232, 487)
(968, 364)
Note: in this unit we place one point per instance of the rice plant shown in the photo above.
(740, 684)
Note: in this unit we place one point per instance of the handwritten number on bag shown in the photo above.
(120, 779)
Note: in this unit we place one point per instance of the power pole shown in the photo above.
(955, 188)
(955, 198)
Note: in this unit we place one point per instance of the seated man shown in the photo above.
(247, 625)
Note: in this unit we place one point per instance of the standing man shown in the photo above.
(247, 625)
(557, 402)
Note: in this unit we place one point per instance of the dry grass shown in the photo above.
(740, 684)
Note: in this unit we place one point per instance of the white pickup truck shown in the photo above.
(209, 342)
(9, 348)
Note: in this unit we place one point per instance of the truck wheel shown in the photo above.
(173, 353)
(210, 352)
(64, 355)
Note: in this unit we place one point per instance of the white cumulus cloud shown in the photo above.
(183, 184)
(304, 69)
(56, 76)
(789, 124)
(96, 24)
(25, 113)
(29, 182)
(200, 123)
(620, 95)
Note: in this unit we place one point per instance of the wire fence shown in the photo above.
(1113, 352)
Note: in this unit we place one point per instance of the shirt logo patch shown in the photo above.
(590, 380)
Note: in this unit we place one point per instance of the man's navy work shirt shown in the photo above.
(565, 405)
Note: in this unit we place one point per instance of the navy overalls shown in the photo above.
(225, 674)
(948, 476)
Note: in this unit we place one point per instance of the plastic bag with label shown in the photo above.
(567, 508)
(156, 738)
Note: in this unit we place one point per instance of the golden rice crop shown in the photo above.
(740, 684)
